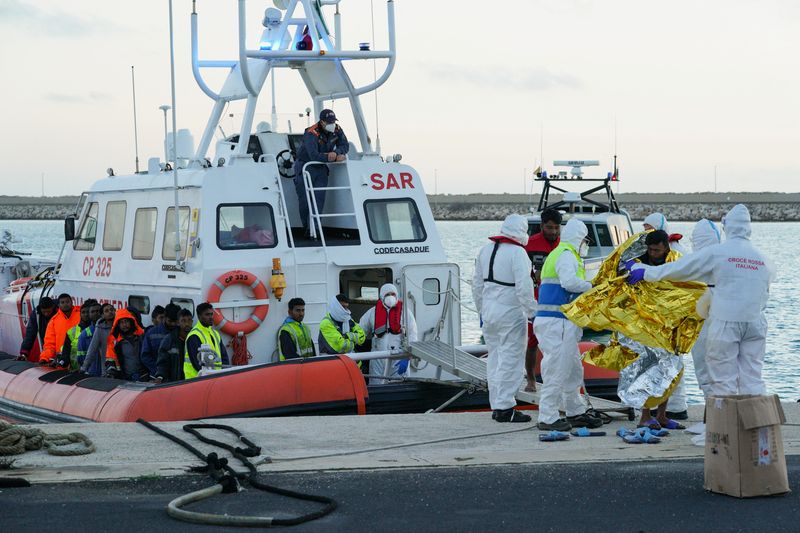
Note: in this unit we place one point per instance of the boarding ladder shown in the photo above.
(313, 319)
(473, 369)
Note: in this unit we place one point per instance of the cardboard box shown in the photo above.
(744, 448)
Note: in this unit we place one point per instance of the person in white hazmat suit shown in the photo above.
(676, 403)
(563, 279)
(705, 234)
(384, 323)
(503, 292)
(736, 327)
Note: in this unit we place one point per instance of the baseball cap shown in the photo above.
(328, 116)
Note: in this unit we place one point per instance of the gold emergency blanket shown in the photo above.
(659, 314)
(653, 322)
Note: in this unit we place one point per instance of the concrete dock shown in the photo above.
(478, 475)
(302, 444)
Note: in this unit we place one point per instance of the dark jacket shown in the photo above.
(169, 364)
(36, 327)
(317, 142)
(96, 353)
(151, 342)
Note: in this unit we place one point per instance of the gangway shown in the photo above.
(473, 369)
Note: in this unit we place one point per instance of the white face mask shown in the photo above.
(330, 127)
(583, 250)
(390, 301)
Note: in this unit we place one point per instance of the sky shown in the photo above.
(482, 91)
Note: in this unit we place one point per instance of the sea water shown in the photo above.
(462, 240)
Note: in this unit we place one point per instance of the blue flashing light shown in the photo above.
(266, 45)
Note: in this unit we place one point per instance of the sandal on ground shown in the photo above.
(672, 424)
(638, 436)
(583, 432)
(652, 424)
(553, 436)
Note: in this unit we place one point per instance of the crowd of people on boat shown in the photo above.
(102, 341)
(519, 279)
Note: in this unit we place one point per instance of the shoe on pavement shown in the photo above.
(511, 415)
(584, 421)
(558, 425)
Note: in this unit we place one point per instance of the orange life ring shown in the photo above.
(239, 277)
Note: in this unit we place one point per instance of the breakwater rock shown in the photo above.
(765, 207)
(36, 212)
(676, 212)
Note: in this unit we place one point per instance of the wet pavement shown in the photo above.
(623, 496)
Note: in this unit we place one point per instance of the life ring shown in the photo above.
(239, 277)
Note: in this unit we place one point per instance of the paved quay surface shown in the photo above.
(509, 481)
(651, 496)
(330, 443)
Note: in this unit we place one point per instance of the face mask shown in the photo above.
(330, 127)
(583, 250)
(390, 301)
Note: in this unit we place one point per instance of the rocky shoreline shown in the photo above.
(766, 212)
(689, 207)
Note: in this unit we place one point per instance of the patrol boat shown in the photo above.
(220, 223)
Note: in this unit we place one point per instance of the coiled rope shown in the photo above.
(16, 439)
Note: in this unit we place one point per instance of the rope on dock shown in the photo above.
(17, 439)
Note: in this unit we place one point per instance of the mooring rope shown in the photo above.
(17, 439)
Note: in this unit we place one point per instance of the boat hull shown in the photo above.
(320, 385)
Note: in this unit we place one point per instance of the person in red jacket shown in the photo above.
(66, 317)
(539, 246)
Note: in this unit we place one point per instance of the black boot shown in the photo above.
(511, 415)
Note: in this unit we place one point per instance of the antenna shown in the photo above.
(135, 128)
(178, 264)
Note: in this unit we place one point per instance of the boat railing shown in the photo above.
(311, 199)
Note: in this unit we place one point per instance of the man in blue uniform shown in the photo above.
(324, 142)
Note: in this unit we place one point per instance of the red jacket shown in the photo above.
(538, 245)
(57, 331)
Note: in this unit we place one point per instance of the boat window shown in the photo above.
(183, 303)
(603, 235)
(88, 231)
(430, 291)
(244, 226)
(168, 247)
(141, 303)
(144, 233)
(395, 220)
(114, 225)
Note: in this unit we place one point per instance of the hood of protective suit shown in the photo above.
(705, 234)
(386, 289)
(337, 312)
(737, 222)
(658, 221)
(574, 232)
(515, 227)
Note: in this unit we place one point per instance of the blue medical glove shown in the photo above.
(629, 264)
(401, 366)
(636, 276)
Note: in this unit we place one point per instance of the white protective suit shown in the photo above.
(705, 234)
(562, 371)
(388, 341)
(659, 221)
(736, 327)
(677, 400)
(503, 294)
